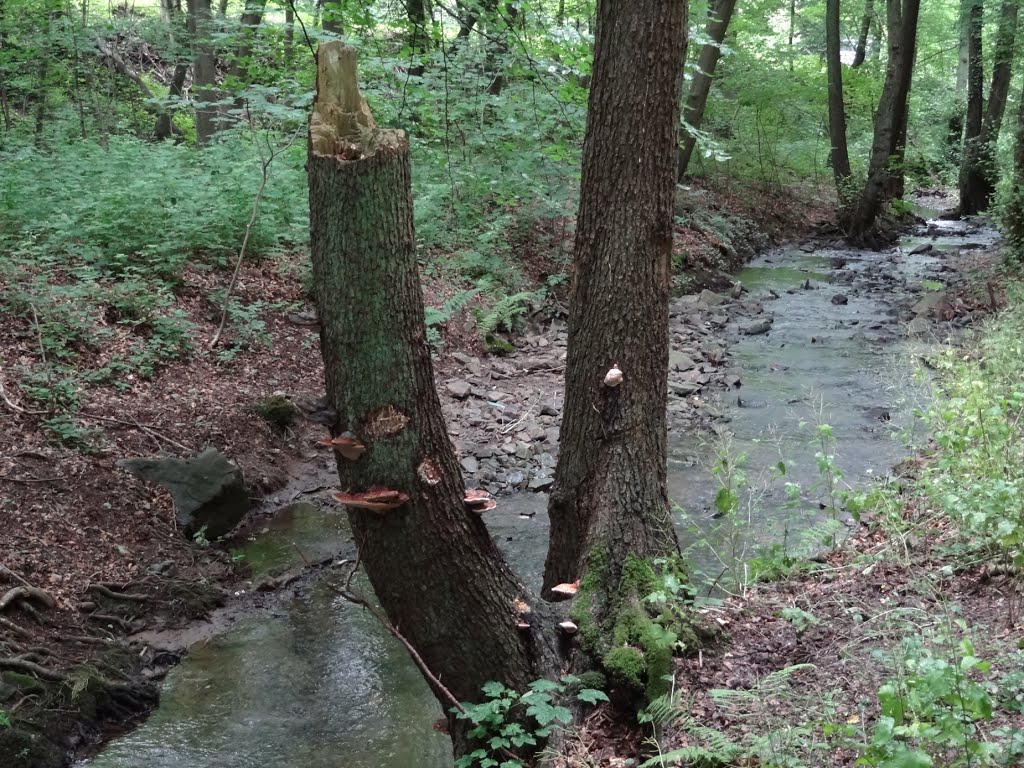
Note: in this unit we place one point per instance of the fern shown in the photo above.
(505, 314)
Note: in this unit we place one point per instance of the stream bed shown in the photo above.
(315, 683)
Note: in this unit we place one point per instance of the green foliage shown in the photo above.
(977, 477)
(508, 726)
(278, 411)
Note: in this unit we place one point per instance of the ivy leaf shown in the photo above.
(591, 695)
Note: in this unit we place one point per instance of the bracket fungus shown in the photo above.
(614, 376)
(378, 500)
(565, 591)
(479, 501)
(347, 444)
(568, 627)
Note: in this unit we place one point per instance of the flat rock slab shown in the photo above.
(208, 490)
(756, 327)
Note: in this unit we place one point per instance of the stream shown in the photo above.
(316, 683)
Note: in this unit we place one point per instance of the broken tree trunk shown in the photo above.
(435, 569)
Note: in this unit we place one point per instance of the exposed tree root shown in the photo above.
(11, 626)
(27, 593)
(31, 668)
(106, 591)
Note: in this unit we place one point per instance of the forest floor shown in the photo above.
(106, 551)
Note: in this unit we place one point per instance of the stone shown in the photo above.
(918, 327)
(840, 300)
(929, 303)
(516, 478)
(677, 361)
(463, 358)
(547, 460)
(710, 299)
(549, 409)
(523, 450)
(470, 464)
(756, 327)
(208, 490)
(541, 483)
(459, 389)
(684, 388)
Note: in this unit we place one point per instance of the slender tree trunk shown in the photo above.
(289, 35)
(434, 568)
(332, 17)
(222, 8)
(955, 132)
(719, 17)
(971, 179)
(1002, 73)
(609, 503)
(885, 171)
(417, 12)
(238, 71)
(839, 154)
(860, 53)
(792, 32)
(1014, 216)
(204, 69)
(165, 120)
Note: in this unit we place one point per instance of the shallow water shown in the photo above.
(318, 684)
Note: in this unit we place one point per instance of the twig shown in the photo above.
(265, 161)
(147, 428)
(522, 418)
(12, 576)
(357, 599)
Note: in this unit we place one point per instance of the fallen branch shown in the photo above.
(147, 428)
(27, 593)
(12, 576)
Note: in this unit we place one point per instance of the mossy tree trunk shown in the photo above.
(1013, 218)
(434, 568)
(839, 154)
(719, 16)
(971, 179)
(1002, 73)
(204, 69)
(609, 503)
(885, 164)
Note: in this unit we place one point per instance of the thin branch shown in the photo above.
(11, 404)
(148, 429)
(265, 161)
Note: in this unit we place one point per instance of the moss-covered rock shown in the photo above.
(26, 749)
(278, 411)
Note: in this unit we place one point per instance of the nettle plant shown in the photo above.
(508, 723)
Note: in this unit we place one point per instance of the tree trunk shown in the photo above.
(238, 71)
(609, 502)
(1014, 217)
(719, 17)
(861, 52)
(792, 32)
(1002, 72)
(332, 17)
(417, 12)
(289, 35)
(885, 171)
(435, 569)
(839, 154)
(971, 180)
(165, 120)
(204, 69)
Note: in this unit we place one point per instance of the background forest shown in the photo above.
(158, 291)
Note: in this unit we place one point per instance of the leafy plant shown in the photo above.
(508, 724)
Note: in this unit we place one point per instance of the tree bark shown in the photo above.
(861, 51)
(238, 71)
(839, 154)
(204, 69)
(417, 13)
(170, 11)
(719, 17)
(332, 17)
(1013, 219)
(289, 34)
(971, 180)
(885, 171)
(609, 499)
(435, 569)
(1002, 73)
